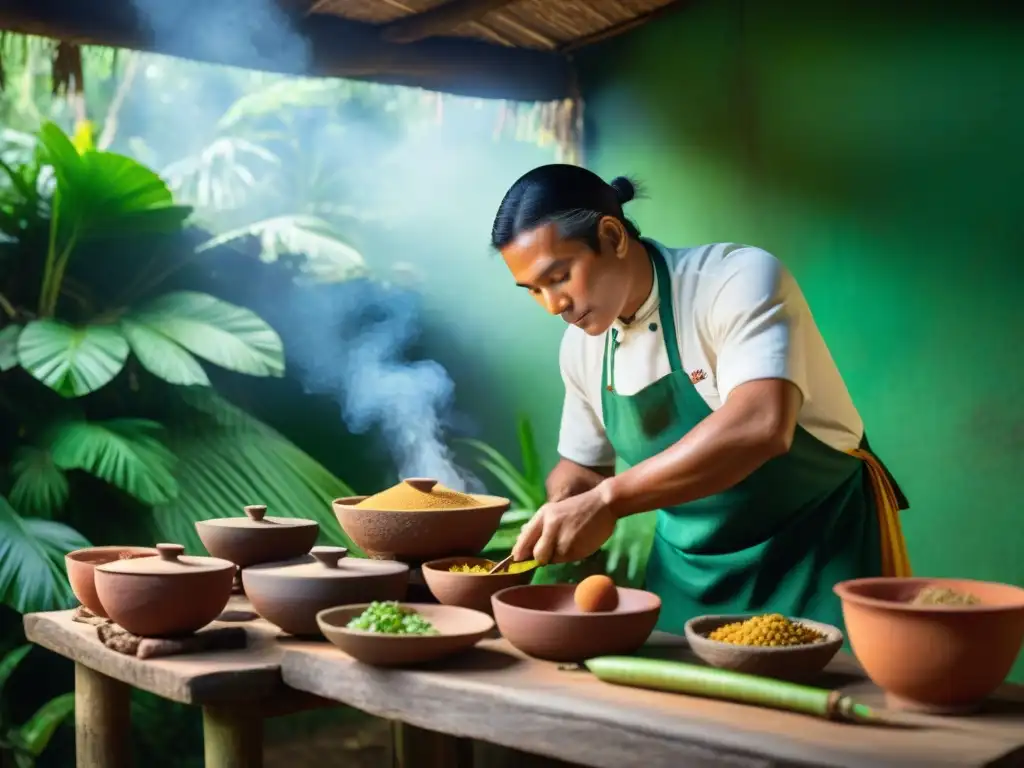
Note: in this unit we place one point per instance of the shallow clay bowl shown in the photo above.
(470, 590)
(460, 629)
(81, 565)
(290, 594)
(166, 596)
(257, 538)
(935, 658)
(543, 621)
(797, 662)
(420, 535)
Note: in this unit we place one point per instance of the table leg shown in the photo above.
(419, 748)
(102, 720)
(233, 738)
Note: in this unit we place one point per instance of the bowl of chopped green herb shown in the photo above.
(393, 634)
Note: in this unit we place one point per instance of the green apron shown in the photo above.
(776, 542)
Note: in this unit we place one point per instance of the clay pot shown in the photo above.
(797, 662)
(459, 630)
(419, 535)
(290, 594)
(165, 596)
(256, 538)
(935, 658)
(81, 564)
(470, 590)
(543, 621)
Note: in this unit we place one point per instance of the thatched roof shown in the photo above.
(513, 49)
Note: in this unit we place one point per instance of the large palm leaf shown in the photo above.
(32, 550)
(227, 459)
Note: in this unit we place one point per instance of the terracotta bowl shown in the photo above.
(420, 535)
(798, 662)
(470, 590)
(166, 596)
(291, 594)
(81, 565)
(543, 621)
(257, 538)
(939, 659)
(460, 629)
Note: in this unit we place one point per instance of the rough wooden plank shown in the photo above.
(247, 674)
(438, 19)
(495, 694)
(102, 720)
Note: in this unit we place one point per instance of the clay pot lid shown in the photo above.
(256, 518)
(171, 559)
(329, 563)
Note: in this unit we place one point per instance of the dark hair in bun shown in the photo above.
(625, 189)
(572, 197)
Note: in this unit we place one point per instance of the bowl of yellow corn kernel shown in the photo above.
(769, 644)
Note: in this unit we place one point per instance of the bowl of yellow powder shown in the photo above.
(768, 644)
(420, 519)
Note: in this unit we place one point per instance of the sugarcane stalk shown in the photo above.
(726, 685)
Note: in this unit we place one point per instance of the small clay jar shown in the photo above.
(165, 596)
(256, 538)
(81, 565)
(291, 593)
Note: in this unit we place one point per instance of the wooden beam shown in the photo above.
(438, 20)
(628, 25)
(329, 47)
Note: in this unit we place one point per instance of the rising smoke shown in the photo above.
(352, 342)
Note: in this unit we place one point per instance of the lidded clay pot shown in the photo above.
(291, 593)
(81, 565)
(256, 538)
(436, 521)
(164, 596)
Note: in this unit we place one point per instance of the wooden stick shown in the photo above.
(500, 566)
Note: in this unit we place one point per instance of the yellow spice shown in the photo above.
(403, 498)
(768, 630)
(943, 596)
(464, 568)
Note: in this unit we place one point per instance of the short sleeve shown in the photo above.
(757, 320)
(581, 438)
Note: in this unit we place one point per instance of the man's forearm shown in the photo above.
(755, 426)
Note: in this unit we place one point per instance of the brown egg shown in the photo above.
(596, 593)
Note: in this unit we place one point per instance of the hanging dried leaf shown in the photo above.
(67, 69)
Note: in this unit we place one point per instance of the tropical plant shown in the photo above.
(100, 373)
(21, 745)
(623, 556)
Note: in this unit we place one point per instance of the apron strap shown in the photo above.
(895, 560)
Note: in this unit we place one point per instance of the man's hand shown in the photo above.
(566, 531)
(569, 479)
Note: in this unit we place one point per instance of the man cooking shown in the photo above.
(703, 370)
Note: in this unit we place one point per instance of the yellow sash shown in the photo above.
(895, 561)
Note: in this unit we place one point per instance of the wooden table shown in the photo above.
(495, 694)
(236, 689)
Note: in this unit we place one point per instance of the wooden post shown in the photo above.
(414, 747)
(233, 738)
(102, 720)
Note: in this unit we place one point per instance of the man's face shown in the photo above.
(566, 277)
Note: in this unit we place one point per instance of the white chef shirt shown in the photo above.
(739, 316)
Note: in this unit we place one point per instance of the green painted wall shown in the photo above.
(881, 159)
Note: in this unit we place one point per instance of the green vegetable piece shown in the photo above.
(390, 618)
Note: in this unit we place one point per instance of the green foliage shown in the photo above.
(26, 742)
(624, 555)
(110, 399)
